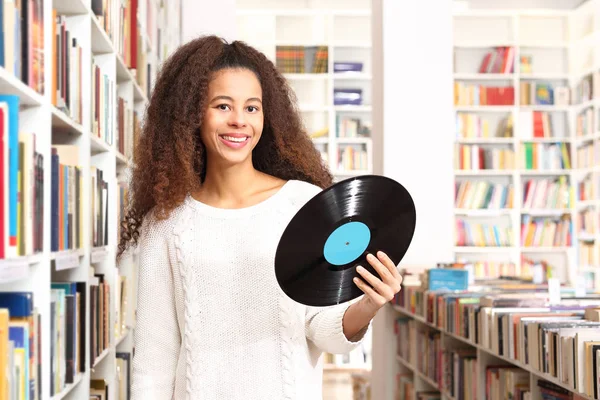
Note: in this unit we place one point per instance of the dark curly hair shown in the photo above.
(169, 157)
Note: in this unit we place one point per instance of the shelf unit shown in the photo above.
(484, 357)
(344, 30)
(559, 49)
(97, 27)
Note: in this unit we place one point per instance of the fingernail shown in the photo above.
(359, 269)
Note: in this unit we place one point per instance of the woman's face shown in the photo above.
(233, 120)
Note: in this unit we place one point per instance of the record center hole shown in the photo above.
(347, 243)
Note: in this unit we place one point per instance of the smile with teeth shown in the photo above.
(235, 139)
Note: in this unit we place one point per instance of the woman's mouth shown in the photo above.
(234, 141)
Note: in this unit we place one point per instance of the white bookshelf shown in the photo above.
(345, 29)
(564, 48)
(51, 126)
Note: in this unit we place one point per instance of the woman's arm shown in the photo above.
(157, 339)
(339, 329)
(325, 328)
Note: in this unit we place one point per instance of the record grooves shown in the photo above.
(333, 232)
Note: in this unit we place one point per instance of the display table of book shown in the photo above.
(495, 339)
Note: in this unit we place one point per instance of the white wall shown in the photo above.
(418, 118)
(418, 135)
(203, 17)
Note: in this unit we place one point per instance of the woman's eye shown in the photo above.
(223, 107)
(252, 109)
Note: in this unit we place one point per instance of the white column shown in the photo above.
(416, 107)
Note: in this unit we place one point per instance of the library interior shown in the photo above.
(500, 291)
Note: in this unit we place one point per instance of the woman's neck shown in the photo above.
(236, 186)
(230, 181)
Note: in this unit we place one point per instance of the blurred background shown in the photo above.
(486, 111)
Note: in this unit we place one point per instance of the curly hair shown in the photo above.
(169, 157)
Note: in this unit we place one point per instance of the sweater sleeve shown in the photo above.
(157, 338)
(324, 327)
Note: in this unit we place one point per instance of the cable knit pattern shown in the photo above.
(187, 284)
(212, 322)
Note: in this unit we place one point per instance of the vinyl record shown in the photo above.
(333, 232)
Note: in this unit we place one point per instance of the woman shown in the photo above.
(221, 167)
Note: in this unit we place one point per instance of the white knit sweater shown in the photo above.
(212, 322)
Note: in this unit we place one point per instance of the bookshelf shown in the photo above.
(439, 352)
(71, 99)
(526, 105)
(326, 55)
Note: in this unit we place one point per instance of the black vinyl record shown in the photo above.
(333, 233)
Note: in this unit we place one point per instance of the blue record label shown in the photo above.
(348, 242)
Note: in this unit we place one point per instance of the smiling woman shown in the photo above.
(222, 165)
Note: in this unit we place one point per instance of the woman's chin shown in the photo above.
(235, 158)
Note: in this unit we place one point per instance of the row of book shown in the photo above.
(67, 208)
(588, 254)
(587, 221)
(21, 191)
(585, 123)
(468, 94)
(587, 88)
(541, 93)
(535, 232)
(500, 60)
(351, 158)
(587, 154)
(535, 124)
(301, 59)
(469, 233)
(480, 157)
(545, 156)
(585, 188)
(128, 127)
(20, 335)
(22, 39)
(546, 329)
(531, 157)
(66, 91)
(538, 194)
(471, 125)
(532, 124)
(547, 193)
(103, 104)
(22, 186)
(478, 195)
(349, 127)
(122, 201)
(537, 270)
(546, 231)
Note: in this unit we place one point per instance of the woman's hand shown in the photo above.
(381, 290)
